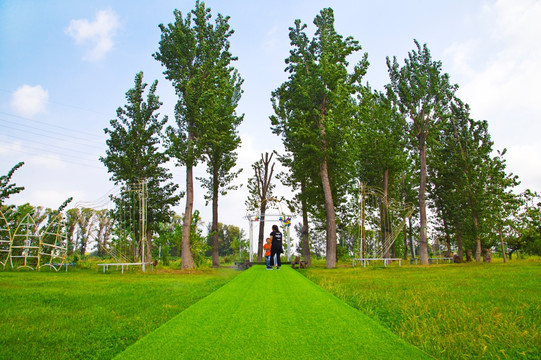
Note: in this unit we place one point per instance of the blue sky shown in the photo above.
(65, 67)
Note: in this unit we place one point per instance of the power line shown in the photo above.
(102, 201)
(43, 132)
(63, 141)
(75, 160)
(50, 125)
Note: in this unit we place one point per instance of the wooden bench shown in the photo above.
(298, 261)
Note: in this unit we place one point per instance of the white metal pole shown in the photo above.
(288, 244)
(251, 236)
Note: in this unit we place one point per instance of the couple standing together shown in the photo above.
(273, 249)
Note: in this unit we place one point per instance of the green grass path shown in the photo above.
(264, 314)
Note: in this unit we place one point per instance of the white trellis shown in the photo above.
(257, 217)
(379, 201)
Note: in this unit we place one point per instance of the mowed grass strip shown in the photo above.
(90, 315)
(451, 311)
(271, 314)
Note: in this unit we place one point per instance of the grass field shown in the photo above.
(466, 311)
(456, 311)
(90, 315)
(271, 315)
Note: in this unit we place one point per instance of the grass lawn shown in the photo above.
(454, 311)
(271, 315)
(84, 314)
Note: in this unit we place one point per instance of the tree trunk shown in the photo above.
(330, 216)
(260, 242)
(148, 245)
(187, 256)
(477, 237)
(405, 256)
(423, 238)
(502, 244)
(215, 236)
(487, 255)
(459, 245)
(410, 234)
(305, 238)
(385, 215)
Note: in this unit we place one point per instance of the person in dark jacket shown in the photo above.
(276, 247)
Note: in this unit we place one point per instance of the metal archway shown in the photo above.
(284, 218)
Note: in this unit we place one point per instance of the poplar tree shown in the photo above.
(134, 155)
(320, 92)
(422, 93)
(260, 188)
(196, 56)
(380, 150)
(220, 155)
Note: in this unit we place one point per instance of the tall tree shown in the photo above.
(220, 155)
(85, 224)
(423, 94)
(196, 56)
(260, 189)
(471, 191)
(320, 90)
(380, 150)
(134, 156)
(528, 226)
(104, 223)
(72, 216)
(461, 149)
(503, 204)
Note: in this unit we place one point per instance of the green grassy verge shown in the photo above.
(271, 314)
(90, 315)
(457, 311)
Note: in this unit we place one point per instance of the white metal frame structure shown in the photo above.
(141, 189)
(406, 210)
(256, 217)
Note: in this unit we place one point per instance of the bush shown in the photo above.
(342, 253)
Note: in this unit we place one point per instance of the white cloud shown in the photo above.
(523, 160)
(502, 66)
(7, 149)
(52, 198)
(497, 69)
(30, 100)
(49, 162)
(98, 33)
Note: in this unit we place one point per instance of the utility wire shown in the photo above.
(50, 125)
(75, 160)
(43, 132)
(62, 141)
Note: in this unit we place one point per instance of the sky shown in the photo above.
(65, 67)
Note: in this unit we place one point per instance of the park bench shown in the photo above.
(366, 261)
(127, 265)
(298, 261)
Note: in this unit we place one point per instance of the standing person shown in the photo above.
(276, 247)
(267, 248)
